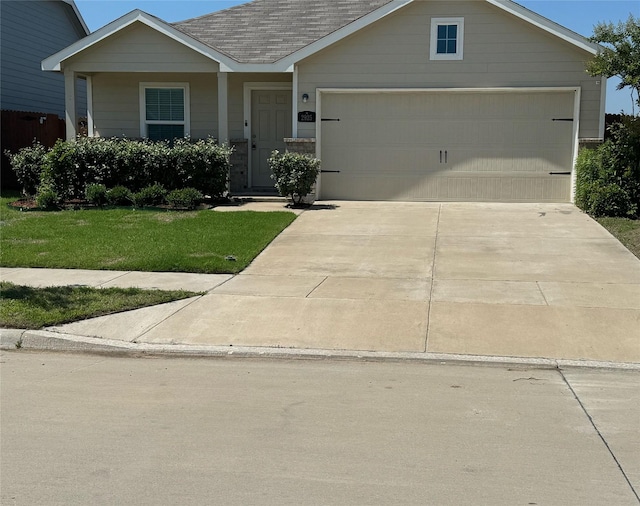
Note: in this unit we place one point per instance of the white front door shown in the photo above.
(270, 124)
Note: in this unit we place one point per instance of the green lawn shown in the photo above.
(625, 230)
(25, 307)
(141, 240)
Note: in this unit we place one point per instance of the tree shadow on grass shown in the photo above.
(54, 297)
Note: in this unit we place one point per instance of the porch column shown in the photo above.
(294, 103)
(223, 107)
(90, 132)
(71, 118)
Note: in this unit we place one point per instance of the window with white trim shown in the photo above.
(164, 110)
(447, 38)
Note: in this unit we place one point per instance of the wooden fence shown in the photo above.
(20, 129)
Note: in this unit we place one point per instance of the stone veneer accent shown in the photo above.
(239, 165)
(589, 143)
(302, 146)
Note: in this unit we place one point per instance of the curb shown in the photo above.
(42, 340)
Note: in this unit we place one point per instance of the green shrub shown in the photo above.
(152, 195)
(203, 165)
(588, 166)
(608, 177)
(610, 200)
(142, 163)
(61, 172)
(625, 151)
(47, 197)
(185, 198)
(94, 159)
(119, 196)
(70, 166)
(27, 164)
(96, 194)
(294, 174)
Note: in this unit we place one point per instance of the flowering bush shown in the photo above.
(27, 164)
(294, 174)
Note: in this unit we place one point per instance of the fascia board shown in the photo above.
(54, 62)
(546, 25)
(73, 5)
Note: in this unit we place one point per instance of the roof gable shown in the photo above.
(279, 31)
(265, 31)
(55, 61)
(273, 35)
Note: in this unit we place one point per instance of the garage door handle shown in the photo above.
(559, 173)
(440, 156)
(446, 157)
(330, 171)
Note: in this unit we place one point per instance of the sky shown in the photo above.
(577, 15)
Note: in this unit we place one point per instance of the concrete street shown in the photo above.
(89, 429)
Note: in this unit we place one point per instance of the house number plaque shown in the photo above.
(307, 117)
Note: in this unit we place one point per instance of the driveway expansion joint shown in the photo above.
(161, 321)
(433, 277)
(101, 285)
(542, 293)
(316, 287)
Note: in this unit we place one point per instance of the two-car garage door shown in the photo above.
(465, 146)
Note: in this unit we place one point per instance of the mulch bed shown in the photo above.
(29, 204)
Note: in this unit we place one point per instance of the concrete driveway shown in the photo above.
(528, 280)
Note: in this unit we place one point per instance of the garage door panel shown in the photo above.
(398, 161)
(448, 146)
(459, 187)
(537, 161)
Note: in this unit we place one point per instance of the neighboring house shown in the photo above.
(31, 100)
(479, 100)
(29, 32)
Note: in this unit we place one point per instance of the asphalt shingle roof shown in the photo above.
(265, 31)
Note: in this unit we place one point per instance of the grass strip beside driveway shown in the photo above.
(137, 240)
(625, 230)
(25, 307)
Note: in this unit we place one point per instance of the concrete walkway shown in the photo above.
(518, 280)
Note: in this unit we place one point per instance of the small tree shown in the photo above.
(620, 55)
(294, 174)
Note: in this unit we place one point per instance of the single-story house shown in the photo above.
(411, 100)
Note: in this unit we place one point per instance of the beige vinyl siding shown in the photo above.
(116, 102)
(236, 97)
(499, 51)
(138, 48)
